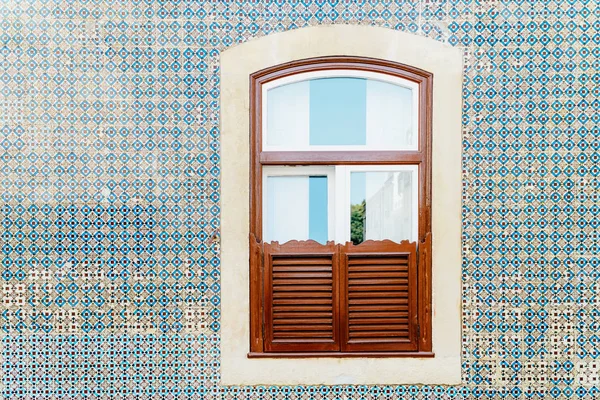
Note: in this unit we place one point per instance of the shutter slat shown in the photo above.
(308, 302)
(377, 268)
(303, 286)
(383, 314)
(300, 325)
(382, 262)
(378, 274)
(371, 327)
(297, 314)
(379, 296)
(301, 298)
(308, 262)
(301, 336)
(303, 281)
(392, 286)
(367, 282)
(302, 321)
(300, 275)
(389, 300)
(392, 319)
(370, 337)
(302, 268)
(389, 294)
(378, 307)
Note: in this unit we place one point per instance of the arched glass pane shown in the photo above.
(341, 112)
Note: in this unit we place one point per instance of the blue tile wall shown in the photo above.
(109, 186)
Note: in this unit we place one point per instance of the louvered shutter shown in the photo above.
(301, 299)
(379, 297)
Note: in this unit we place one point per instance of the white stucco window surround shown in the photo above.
(237, 64)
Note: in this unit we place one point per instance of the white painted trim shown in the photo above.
(237, 63)
(339, 73)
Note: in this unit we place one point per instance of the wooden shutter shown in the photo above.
(301, 297)
(379, 297)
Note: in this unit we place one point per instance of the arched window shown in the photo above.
(340, 208)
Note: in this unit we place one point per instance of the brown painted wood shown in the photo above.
(342, 62)
(256, 295)
(424, 268)
(255, 188)
(301, 298)
(340, 157)
(386, 318)
(341, 354)
(425, 236)
(422, 158)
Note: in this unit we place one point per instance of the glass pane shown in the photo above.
(296, 208)
(382, 206)
(338, 111)
(341, 112)
(288, 115)
(317, 208)
(390, 116)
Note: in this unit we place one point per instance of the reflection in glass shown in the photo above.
(381, 206)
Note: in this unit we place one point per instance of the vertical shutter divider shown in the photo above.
(267, 296)
(336, 270)
(256, 295)
(424, 293)
(341, 297)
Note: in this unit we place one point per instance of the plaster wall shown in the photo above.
(237, 64)
(110, 171)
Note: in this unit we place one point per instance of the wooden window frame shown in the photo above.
(420, 157)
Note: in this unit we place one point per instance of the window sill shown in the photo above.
(380, 354)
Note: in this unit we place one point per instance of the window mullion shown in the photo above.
(342, 216)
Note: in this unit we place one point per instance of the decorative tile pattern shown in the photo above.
(109, 184)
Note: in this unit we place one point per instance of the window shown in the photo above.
(340, 203)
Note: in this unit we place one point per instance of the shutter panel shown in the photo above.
(379, 297)
(301, 299)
